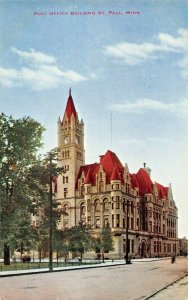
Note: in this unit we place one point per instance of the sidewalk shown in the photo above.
(107, 263)
(177, 290)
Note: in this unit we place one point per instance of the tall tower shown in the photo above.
(72, 153)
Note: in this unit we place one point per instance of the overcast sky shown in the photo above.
(128, 74)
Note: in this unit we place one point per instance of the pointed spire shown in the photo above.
(126, 168)
(70, 108)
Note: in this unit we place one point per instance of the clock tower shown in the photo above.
(72, 153)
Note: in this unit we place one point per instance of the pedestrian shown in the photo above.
(173, 259)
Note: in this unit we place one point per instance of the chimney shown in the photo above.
(148, 170)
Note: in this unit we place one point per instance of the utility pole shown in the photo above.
(127, 235)
(50, 218)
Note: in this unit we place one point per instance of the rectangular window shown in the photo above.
(150, 226)
(88, 205)
(124, 245)
(132, 223)
(65, 192)
(112, 220)
(106, 222)
(82, 190)
(137, 223)
(97, 221)
(101, 186)
(118, 221)
(132, 246)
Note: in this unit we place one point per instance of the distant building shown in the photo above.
(183, 244)
(107, 193)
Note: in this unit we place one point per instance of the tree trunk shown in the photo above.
(57, 256)
(6, 254)
(21, 251)
(102, 256)
(40, 254)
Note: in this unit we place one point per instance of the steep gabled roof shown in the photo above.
(92, 169)
(108, 162)
(162, 191)
(134, 181)
(115, 174)
(114, 169)
(88, 178)
(144, 182)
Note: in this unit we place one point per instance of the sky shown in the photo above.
(127, 65)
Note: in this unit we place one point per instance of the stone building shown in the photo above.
(141, 213)
(183, 244)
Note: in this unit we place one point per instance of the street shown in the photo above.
(124, 282)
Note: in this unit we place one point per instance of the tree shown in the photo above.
(79, 239)
(20, 191)
(105, 242)
(46, 175)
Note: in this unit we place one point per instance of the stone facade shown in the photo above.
(141, 213)
(183, 246)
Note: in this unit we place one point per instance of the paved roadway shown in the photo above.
(124, 282)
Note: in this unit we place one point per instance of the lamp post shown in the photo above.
(53, 171)
(127, 235)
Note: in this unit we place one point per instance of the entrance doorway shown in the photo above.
(143, 249)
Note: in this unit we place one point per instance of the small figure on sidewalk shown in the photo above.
(173, 259)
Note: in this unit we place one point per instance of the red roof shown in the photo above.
(134, 181)
(115, 174)
(92, 170)
(70, 108)
(144, 182)
(114, 171)
(88, 177)
(162, 191)
(108, 161)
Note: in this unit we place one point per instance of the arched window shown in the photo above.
(97, 205)
(82, 208)
(65, 215)
(105, 204)
(88, 205)
(65, 209)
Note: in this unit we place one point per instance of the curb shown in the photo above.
(166, 286)
(61, 270)
(74, 268)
